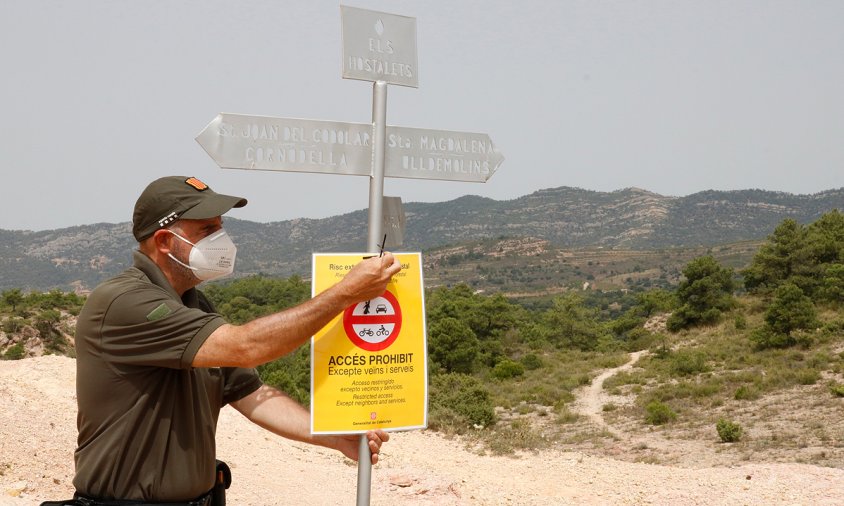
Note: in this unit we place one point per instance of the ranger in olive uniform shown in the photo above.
(155, 364)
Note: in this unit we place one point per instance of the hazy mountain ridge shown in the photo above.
(566, 217)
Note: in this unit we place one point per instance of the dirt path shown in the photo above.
(38, 432)
(590, 400)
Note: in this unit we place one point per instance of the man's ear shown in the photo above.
(160, 241)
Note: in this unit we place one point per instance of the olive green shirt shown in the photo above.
(146, 417)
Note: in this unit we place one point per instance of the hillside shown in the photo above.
(558, 220)
(752, 383)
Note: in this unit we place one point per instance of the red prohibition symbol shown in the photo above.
(373, 325)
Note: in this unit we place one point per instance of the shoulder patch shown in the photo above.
(158, 313)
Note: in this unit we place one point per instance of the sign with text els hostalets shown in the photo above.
(378, 46)
(369, 364)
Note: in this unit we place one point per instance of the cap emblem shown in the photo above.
(170, 218)
(196, 183)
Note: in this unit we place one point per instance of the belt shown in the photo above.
(81, 500)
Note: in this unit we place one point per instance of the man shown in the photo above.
(155, 364)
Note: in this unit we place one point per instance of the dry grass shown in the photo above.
(785, 401)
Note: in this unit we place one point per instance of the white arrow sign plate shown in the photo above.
(238, 141)
(440, 154)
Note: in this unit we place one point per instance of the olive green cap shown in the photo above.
(172, 198)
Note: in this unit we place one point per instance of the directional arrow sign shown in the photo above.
(440, 154)
(238, 141)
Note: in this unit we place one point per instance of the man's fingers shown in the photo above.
(376, 439)
(387, 259)
(391, 264)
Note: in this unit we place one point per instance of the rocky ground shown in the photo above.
(37, 438)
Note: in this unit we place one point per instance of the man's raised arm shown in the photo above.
(270, 337)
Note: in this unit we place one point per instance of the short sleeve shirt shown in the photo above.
(147, 418)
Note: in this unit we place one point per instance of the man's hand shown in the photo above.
(350, 444)
(368, 279)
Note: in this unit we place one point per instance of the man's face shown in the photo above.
(194, 231)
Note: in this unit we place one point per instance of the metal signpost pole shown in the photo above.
(376, 180)
(376, 225)
(364, 472)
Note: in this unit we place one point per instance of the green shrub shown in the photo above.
(659, 413)
(291, 374)
(15, 352)
(728, 431)
(832, 285)
(808, 376)
(704, 294)
(687, 363)
(663, 351)
(740, 322)
(13, 325)
(546, 394)
(641, 339)
(820, 360)
(453, 345)
(837, 390)
(531, 362)
(459, 401)
(50, 316)
(804, 338)
(833, 327)
(790, 310)
(746, 393)
(765, 338)
(706, 388)
(565, 416)
(508, 369)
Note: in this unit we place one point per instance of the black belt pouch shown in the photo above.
(222, 481)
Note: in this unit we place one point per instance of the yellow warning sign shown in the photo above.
(369, 364)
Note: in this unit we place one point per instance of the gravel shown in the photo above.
(38, 432)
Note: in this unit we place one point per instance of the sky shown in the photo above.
(100, 97)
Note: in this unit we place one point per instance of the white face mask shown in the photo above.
(210, 258)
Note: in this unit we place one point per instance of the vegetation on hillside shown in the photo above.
(41, 321)
(629, 238)
(502, 368)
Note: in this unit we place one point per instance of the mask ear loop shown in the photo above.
(176, 259)
(180, 237)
